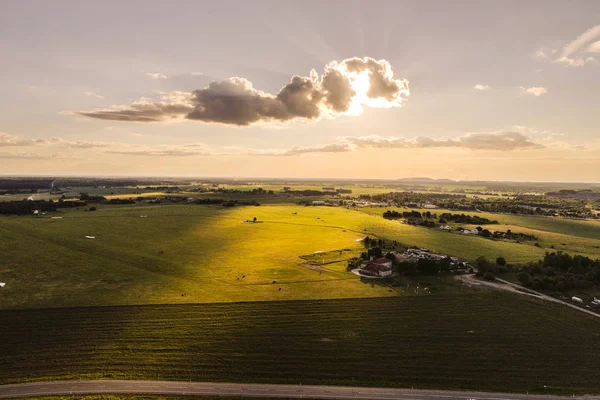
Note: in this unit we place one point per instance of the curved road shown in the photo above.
(251, 390)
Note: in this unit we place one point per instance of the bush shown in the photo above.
(489, 276)
(524, 278)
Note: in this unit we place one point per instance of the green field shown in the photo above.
(200, 254)
(478, 340)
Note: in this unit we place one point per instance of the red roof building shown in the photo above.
(378, 267)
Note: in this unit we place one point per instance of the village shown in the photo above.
(408, 261)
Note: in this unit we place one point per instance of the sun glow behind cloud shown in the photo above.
(361, 84)
(345, 88)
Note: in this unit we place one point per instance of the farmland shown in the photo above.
(184, 291)
(201, 253)
(475, 340)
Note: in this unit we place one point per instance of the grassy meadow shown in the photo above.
(200, 254)
(480, 340)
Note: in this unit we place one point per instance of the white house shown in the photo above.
(318, 203)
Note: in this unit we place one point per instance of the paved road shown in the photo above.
(548, 298)
(251, 390)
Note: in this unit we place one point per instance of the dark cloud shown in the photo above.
(235, 101)
(338, 90)
(141, 112)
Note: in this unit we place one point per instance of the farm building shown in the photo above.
(378, 267)
(318, 203)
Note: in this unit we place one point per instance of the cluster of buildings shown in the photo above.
(414, 255)
(383, 267)
(473, 231)
(353, 203)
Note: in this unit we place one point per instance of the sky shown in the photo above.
(476, 90)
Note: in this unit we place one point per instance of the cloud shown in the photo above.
(481, 87)
(540, 54)
(330, 148)
(186, 150)
(499, 141)
(155, 75)
(536, 91)
(594, 47)
(33, 156)
(92, 94)
(581, 41)
(10, 140)
(345, 88)
(502, 140)
(574, 62)
(573, 53)
(542, 134)
(79, 144)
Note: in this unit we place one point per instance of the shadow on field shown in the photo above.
(422, 341)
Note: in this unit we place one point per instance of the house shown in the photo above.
(318, 203)
(445, 228)
(191, 200)
(376, 267)
(429, 206)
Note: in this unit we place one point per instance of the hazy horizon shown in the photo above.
(284, 178)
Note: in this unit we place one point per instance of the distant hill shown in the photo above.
(425, 180)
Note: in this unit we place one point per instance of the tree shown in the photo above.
(501, 261)
(254, 219)
(426, 266)
(375, 252)
(524, 278)
(486, 233)
(481, 262)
